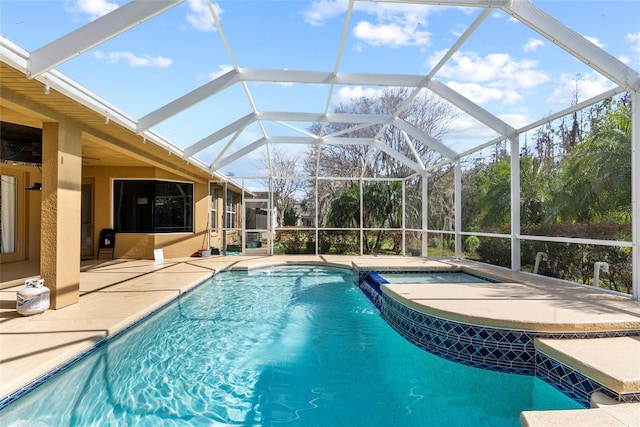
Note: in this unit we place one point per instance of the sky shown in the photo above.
(505, 67)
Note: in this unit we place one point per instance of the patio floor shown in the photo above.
(113, 294)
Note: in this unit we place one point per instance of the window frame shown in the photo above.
(152, 198)
(231, 211)
(213, 208)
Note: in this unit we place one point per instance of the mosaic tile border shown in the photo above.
(573, 383)
(504, 350)
(484, 347)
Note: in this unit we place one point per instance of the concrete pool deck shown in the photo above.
(116, 293)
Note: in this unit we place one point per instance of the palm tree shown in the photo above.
(597, 174)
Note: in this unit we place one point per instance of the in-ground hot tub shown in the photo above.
(429, 276)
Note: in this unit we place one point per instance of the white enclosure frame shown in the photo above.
(40, 64)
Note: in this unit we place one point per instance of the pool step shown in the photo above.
(607, 369)
(612, 362)
(616, 415)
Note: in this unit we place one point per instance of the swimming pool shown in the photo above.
(295, 346)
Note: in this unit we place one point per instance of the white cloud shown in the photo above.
(465, 127)
(595, 41)
(587, 86)
(93, 8)
(515, 120)
(133, 60)
(222, 69)
(392, 34)
(533, 44)
(633, 40)
(495, 70)
(392, 24)
(199, 15)
(483, 94)
(346, 95)
(323, 10)
(634, 43)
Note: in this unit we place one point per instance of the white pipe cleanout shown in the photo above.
(540, 256)
(596, 271)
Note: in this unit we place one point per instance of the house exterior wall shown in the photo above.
(128, 245)
(81, 148)
(142, 245)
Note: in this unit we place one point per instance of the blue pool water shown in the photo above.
(432, 277)
(294, 346)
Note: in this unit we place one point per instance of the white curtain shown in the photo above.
(8, 214)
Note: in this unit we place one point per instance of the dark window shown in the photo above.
(152, 206)
(20, 144)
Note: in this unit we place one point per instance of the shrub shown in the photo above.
(568, 261)
(295, 241)
(471, 244)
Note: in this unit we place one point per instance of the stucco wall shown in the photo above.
(142, 245)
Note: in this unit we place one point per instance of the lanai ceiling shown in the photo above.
(235, 114)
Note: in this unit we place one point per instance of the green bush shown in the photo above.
(471, 244)
(339, 242)
(295, 241)
(568, 261)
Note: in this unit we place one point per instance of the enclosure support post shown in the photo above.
(458, 207)
(425, 210)
(404, 225)
(635, 195)
(273, 218)
(361, 217)
(317, 209)
(243, 222)
(515, 203)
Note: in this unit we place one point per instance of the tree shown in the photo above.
(284, 189)
(494, 186)
(382, 203)
(597, 174)
(426, 112)
(290, 217)
(345, 209)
